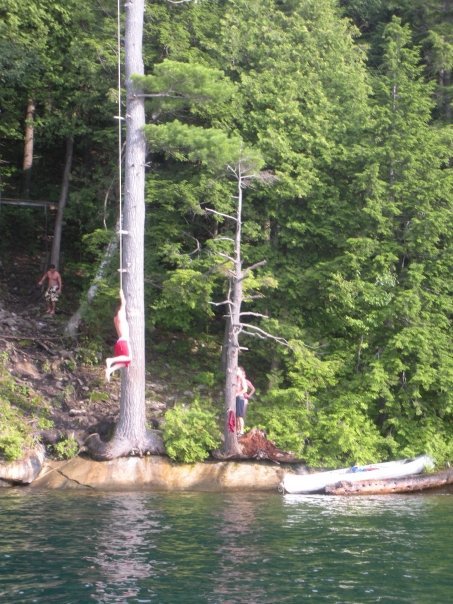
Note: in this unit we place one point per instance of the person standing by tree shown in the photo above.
(54, 287)
(244, 390)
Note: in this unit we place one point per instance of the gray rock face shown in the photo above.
(24, 471)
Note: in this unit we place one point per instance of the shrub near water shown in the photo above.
(66, 448)
(15, 435)
(21, 410)
(191, 433)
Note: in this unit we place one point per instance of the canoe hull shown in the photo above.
(318, 481)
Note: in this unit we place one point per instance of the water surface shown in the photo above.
(77, 547)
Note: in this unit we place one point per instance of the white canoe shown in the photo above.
(312, 483)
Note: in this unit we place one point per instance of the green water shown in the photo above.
(73, 547)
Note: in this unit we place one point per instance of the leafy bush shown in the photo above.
(66, 448)
(429, 435)
(344, 434)
(89, 352)
(20, 409)
(286, 418)
(184, 301)
(99, 395)
(12, 444)
(205, 378)
(190, 433)
(322, 435)
(15, 436)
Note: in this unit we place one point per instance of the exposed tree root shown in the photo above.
(151, 444)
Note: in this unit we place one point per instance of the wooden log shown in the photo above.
(389, 486)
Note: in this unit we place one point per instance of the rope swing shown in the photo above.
(122, 351)
(120, 119)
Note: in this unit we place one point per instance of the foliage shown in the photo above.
(99, 395)
(15, 435)
(286, 418)
(184, 299)
(429, 435)
(66, 448)
(353, 124)
(191, 432)
(20, 411)
(320, 436)
(344, 433)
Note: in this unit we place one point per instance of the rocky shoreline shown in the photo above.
(151, 472)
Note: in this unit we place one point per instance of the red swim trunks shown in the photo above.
(122, 350)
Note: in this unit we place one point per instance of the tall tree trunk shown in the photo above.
(131, 436)
(28, 147)
(131, 424)
(64, 192)
(231, 446)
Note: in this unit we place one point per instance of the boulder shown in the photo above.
(24, 471)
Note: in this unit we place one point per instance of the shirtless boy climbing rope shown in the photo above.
(122, 351)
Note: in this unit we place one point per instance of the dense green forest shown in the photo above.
(347, 106)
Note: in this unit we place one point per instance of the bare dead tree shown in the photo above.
(244, 173)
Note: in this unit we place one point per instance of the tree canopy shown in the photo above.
(348, 105)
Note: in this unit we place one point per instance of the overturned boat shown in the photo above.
(318, 481)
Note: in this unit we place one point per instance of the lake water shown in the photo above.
(234, 548)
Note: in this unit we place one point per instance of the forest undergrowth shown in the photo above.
(54, 386)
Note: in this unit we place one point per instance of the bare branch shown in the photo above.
(251, 268)
(263, 335)
(256, 265)
(233, 170)
(230, 258)
(198, 244)
(152, 95)
(267, 177)
(168, 95)
(216, 267)
(221, 303)
(253, 314)
(220, 214)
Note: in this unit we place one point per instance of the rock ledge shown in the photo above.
(158, 474)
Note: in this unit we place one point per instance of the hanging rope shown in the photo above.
(120, 145)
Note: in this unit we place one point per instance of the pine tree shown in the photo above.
(394, 293)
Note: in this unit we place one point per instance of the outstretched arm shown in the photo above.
(250, 389)
(120, 319)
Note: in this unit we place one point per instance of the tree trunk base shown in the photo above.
(151, 444)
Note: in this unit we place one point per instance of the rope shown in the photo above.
(120, 144)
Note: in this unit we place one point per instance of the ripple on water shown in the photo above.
(223, 548)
